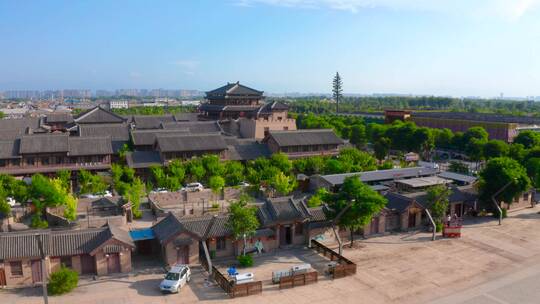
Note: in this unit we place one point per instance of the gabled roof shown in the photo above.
(248, 151)
(458, 177)
(273, 106)
(180, 143)
(16, 245)
(9, 149)
(143, 159)
(46, 143)
(231, 89)
(118, 132)
(305, 137)
(81, 146)
(98, 115)
(148, 137)
(151, 121)
(199, 227)
(186, 117)
(59, 117)
(380, 175)
(398, 202)
(282, 209)
(193, 126)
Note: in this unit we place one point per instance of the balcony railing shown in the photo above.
(54, 168)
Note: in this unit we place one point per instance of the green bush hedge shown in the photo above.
(245, 260)
(62, 281)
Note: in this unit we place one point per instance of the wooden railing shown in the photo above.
(345, 267)
(236, 290)
(300, 279)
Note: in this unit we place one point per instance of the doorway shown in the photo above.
(182, 256)
(36, 271)
(113, 263)
(88, 264)
(285, 237)
(412, 220)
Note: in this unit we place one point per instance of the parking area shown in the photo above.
(401, 268)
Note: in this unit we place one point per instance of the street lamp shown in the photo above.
(495, 200)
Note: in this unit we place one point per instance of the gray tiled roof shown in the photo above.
(148, 137)
(14, 245)
(116, 131)
(186, 116)
(59, 117)
(151, 121)
(194, 126)
(80, 146)
(398, 202)
(233, 89)
(381, 175)
(14, 128)
(143, 159)
(305, 137)
(282, 209)
(248, 151)
(98, 115)
(49, 143)
(457, 177)
(202, 142)
(9, 149)
(201, 227)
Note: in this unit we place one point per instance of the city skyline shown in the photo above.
(447, 48)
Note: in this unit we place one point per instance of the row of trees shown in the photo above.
(277, 174)
(349, 104)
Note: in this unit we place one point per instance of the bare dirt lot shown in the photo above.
(489, 264)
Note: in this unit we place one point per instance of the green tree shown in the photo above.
(196, 170)
(136, 191)
(438, 200)
(65, 177)
(528, 139)
(91, 183)
(318, 198)
(282, 162)
(234, 173)
(213, 166)
(337, 90)
(499, 172)
(242, 221)
(158, 174)
(282, 183)
(495, 148)
(381, 148)
(216, 183)
(533, 170)
(358, 202)
(358, 135)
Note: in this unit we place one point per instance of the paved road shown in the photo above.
(519, 287)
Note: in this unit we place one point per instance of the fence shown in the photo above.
(236, 290)
(345, 267)
(298, 280)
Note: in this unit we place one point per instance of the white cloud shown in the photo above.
(186, 64)
(506, 9)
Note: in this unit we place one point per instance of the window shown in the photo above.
(30, 161)
(286, 128)
(2, 163)
(66, 261)
(16, 268)
(45, 161)
(221, 243)
(526, 196)
(299, 228)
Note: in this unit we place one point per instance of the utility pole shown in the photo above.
(43, 269)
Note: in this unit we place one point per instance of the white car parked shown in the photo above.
(176, 278)
(193, 187)
(159, 190)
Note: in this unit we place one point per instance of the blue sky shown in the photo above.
(441, 47)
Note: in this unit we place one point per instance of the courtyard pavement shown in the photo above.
(489, 264)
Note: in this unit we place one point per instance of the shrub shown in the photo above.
(62, 281)
(439, 227)
(215, 205)
(245, 260)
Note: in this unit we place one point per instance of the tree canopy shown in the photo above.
(499, 172)
(242, 220)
